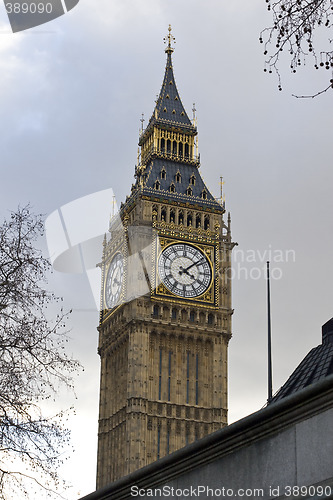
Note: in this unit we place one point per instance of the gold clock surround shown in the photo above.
(161, 292)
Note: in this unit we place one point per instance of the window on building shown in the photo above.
(187, 377)
(158, 442)
(169, 376)
(156, 311)
(166, 313)
(168, 441)
(160, 376)
(197, 379)
(210, 318)
(163, 173)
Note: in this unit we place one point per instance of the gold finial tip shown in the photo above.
(169, 39)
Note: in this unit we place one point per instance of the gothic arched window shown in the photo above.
(156, 311)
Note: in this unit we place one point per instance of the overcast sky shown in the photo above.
(72, 94)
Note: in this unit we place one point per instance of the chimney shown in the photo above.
(327, 331)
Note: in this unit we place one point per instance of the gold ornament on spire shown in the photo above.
(222, 197)
(169, 39)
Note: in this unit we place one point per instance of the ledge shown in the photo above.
(259, 425)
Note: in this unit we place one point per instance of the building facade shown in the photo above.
(165, 320)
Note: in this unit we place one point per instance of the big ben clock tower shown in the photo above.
(166, 311)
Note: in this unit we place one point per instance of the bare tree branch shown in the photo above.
(295, 24)
(314, 95)
(33, 360)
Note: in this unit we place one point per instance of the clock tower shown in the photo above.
(165, 319)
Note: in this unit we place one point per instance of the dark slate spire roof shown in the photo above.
(169, 106)
(167, 173)
(169, 109)
(317, 365)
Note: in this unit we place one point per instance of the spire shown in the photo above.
(169, 109)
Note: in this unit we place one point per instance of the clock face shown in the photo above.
(184, 270)
(114, 281)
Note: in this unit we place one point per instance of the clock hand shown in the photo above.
(194, 264)
(182, 270)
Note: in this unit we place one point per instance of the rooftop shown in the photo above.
(316, 366)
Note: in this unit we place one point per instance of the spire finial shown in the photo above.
(142, 120)
(222, 199)
(169, 39)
